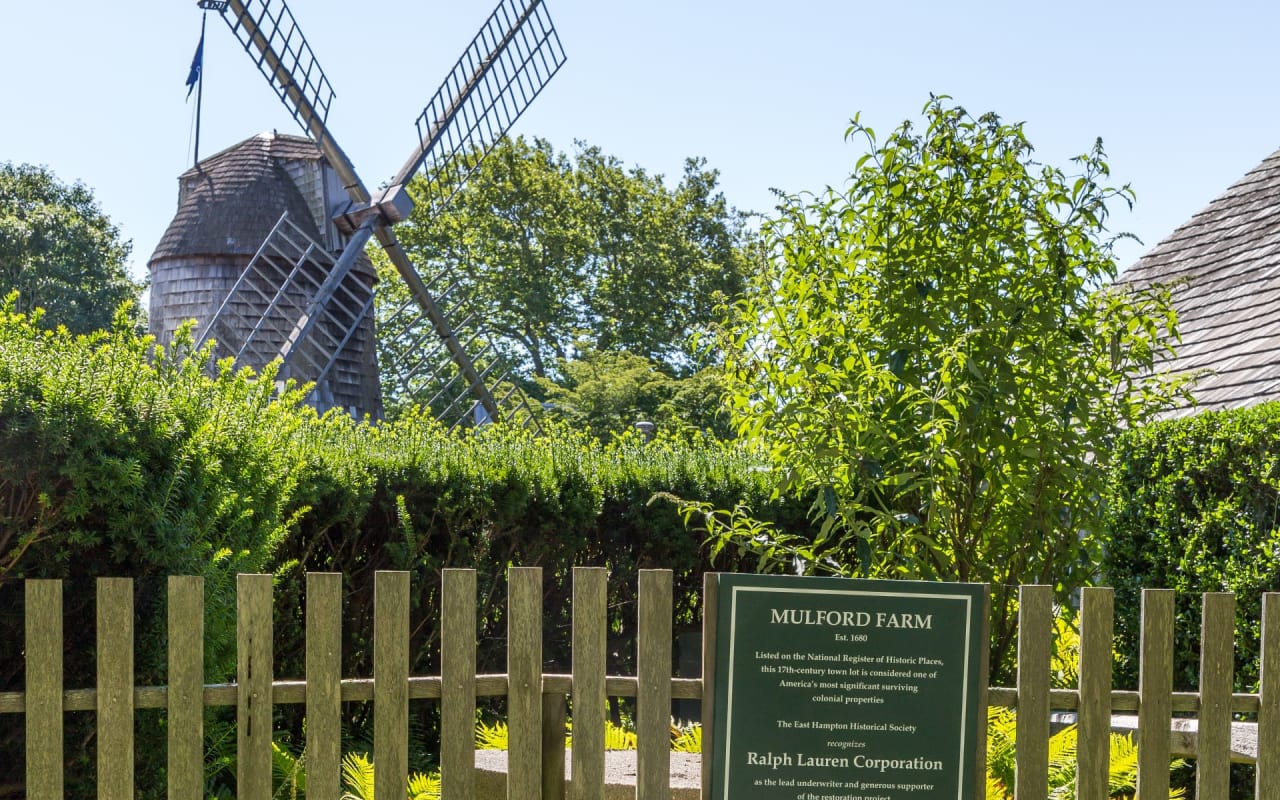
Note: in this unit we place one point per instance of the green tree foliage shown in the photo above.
(935, 355)
(59, 251)
(606, 393)
(551, 250)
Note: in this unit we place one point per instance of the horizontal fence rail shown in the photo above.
(536, 700)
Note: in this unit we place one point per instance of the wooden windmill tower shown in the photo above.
(267, 249)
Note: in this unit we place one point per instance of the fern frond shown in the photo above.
(491, 737)
(687, 739)
(357, 776)
(618, 738)
(424, 786)
(289, 772)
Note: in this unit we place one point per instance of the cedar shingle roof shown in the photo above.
(1224, 268)
(229, 202)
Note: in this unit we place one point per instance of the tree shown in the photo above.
(59, 251)
(935, 356)
(606, 392)
(552, 251)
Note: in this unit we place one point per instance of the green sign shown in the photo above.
(839, 689)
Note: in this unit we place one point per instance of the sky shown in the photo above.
(1184, 95)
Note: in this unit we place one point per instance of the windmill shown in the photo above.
(307, 299)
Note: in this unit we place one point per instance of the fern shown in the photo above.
(357, 776)
(687, 739)
(288, 772)
(1122, 767)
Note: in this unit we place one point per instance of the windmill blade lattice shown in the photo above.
(271, 36)
(506, 66)
(298, 303)
(511, 59)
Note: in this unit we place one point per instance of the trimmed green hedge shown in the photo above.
(117, 459)
(1194, 506)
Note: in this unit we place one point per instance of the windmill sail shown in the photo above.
(512, 57)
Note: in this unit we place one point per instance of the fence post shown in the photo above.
(458, 684)
(1035, 645)
(390, 683)
(653, 703)
(185, 620)
(553, 720)
(115, 687)
(43, 699)
(524, 682)
(590, 623)
(253, 685)
(1155, 693)
(984, 684)
(1094, 726)
(1217, 656)
(324, 685)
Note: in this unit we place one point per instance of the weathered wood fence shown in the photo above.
(536, 701)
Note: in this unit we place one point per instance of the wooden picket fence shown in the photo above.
(536, 701)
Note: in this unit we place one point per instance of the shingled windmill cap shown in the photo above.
(228, 203)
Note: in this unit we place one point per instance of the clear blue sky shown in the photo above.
(1183, 94)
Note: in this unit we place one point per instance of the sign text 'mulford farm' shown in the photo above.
(849, 619)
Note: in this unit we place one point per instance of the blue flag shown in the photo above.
(197, 66)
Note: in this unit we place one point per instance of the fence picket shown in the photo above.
(185, 702)
(1213, 738)
(524, 681)
(1035, 645)
(115, 687)
(390, 683)
(590, 620)
(653, 669)
(1094, 727)
(1155, 693)
(458, 684)
(1267, 778)
(323, 751)
(983, 698)
(43, 640)
(710, 610)
(253, 685)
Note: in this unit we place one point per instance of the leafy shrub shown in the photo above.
(1194, 505)
(119, 459)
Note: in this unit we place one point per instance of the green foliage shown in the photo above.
(119, 459)
(554, 251)
(358, 775)
(606, 393)
(933, 355)
(59, 251)
(1122, 767)
(687, 739)
(1193, 505)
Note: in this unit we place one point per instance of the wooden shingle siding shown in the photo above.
(227, 207)
(1223, 266)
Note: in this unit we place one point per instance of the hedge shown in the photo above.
(1194, 505)
(120, 459)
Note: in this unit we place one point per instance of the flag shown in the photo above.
(197, 66)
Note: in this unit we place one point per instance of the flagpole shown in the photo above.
(204, 15)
